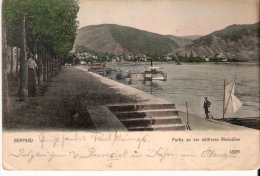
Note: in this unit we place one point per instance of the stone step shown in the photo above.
(136, 107)
(151, 121)
(164, 127)
(146, 113)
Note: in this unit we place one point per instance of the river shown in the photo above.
(193, 82)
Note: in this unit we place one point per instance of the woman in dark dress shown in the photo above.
(32, 88)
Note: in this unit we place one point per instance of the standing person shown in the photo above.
(206, 106)
(32, 89)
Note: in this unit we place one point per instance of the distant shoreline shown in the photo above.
(195, 63)
(233, 63)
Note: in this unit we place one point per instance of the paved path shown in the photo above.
(64, 104)
(201, 124)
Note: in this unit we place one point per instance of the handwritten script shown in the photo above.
(107, 147)
(112, 138)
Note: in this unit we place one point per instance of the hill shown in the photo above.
(116, 39)
(192, 37)
(181, 41)
(235, 41)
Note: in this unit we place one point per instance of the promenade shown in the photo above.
(64, 104)
(74, 98)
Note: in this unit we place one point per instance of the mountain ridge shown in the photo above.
(234, 41)
(117, 39)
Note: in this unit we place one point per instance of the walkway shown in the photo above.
(64, 104)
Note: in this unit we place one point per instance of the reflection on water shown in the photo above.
(193, 82)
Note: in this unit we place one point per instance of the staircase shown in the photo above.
(148, 117)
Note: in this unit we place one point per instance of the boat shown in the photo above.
(151, 73)
(122, 75)
(137, 76)
(155, 73)
(99, 68)
(231, 103)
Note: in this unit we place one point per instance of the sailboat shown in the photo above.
(231, 104)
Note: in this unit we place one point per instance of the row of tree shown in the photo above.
(44, 28)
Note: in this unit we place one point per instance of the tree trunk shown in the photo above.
(40, 79)
(17, 61)
(14, 60)
(45, 69)
(4, 76)
(52, 66)
(48, 67)
(23, 90)
(11, 61)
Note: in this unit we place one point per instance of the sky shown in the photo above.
(174, 17)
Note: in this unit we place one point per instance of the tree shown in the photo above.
(46, 28)
(4, 71)
(23, 90)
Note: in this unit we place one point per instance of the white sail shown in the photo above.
(232, 103)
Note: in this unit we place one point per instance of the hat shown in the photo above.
(29, 55)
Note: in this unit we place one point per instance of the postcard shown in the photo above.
(130, 85)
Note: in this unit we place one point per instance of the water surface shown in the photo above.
(193, 82)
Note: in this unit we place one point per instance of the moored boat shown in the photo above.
(155, 73)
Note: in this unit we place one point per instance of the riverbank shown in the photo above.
(185, 63)
(196, 123)
(75, 100)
